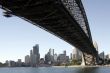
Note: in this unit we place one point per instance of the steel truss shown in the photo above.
(63, 18)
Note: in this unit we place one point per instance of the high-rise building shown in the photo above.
(51, 53)
(71, 56)
(31, 58)
(19, 62)
(77, 55)
(36, 49)
(36, 55)
(47, 58)
(27, 60)
(102, 55)
(55, 57)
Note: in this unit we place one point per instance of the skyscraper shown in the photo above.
(51, 53)
(47, 58)
(55, 57)
(77, 54)
(19, 62)
(64, 52)
(36, 49)
(31, 58)
(71, 56)
(27, 60)
(34, 56)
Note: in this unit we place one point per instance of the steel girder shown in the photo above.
(54, 17)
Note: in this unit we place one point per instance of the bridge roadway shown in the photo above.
(52, 16)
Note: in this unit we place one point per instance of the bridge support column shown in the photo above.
(83, 61)
(88, 59)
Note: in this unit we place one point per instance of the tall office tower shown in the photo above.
(31, 58)
(27, 60)
(77, 55)
(36, 49)
(51, 52)
(36, 55)
(55, 57)
(47, 58)
(71, 56)
(64, 52)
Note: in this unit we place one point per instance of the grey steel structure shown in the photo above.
(63, 18)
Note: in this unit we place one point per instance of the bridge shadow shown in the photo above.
(87, 70)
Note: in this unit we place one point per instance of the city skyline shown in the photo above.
(18, 36)
(34, 55)
(51, 59)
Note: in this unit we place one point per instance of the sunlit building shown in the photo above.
(95, 45)
(77, 54)
(35, 56)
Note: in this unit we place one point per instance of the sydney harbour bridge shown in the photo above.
(65, 19)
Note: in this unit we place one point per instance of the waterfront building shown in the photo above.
(47, 58)
(34, 56)
(27, 60)
(51, 53)
(31, 58)
(77, 54)
(19, 63)
(11, 63)
(102, 55)
(55, 57)
(71, 56)
(108, 56)
(6, 62)
(62, 58)
(67, 59)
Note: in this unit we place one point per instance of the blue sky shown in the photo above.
(99, 19)
(17, 37)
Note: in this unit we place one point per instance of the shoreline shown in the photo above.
(74, 66)
(82, 66)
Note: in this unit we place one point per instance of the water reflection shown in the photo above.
(87, 70)
(57, 70)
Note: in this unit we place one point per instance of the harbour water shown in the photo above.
(56, 70)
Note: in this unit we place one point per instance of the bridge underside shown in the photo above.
(52, 16)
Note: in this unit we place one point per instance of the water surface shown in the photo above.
(55, 70)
